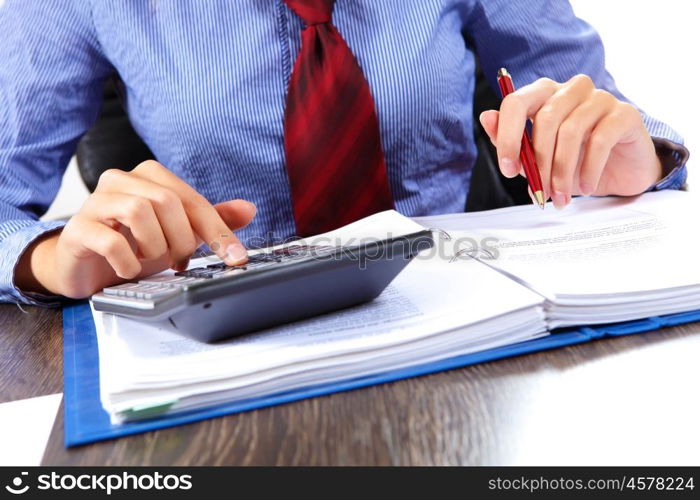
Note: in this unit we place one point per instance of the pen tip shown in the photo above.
(539, 196)
(502, 72)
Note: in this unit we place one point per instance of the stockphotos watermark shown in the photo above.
(444, 247)
(107, 483)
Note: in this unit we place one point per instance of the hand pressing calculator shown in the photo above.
(217, 301)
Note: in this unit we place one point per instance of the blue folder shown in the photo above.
(86, 421)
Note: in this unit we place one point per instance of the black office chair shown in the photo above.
(113, 143)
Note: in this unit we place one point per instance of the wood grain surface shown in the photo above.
(631, 400)
(31, 352)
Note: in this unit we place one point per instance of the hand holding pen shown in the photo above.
(584, 139)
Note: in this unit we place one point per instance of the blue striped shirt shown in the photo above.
(206, 84)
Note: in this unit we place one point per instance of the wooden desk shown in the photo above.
(631, 400)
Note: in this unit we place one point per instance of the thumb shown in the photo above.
(489, 121)
(236, 213)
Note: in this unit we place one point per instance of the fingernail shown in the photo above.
(508, 167)
(586, 188)
(559, 199)
(235, 253)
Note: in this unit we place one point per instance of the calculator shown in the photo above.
(216, 301)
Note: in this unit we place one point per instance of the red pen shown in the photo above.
(527, 152)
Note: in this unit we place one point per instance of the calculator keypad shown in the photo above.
(160, 287)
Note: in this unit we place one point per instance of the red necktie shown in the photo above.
(334, 155)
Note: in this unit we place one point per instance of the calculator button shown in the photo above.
(138, 290)
(168, 280)
(220, 265)
(188, 273)
(184, 283)
(198, 272)
(123, 301)
(120, 290)
(176, 284)
(156, 293)
(143, 289)
(263, 257)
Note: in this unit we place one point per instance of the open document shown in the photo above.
(601, 260)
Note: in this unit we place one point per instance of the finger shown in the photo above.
(134, 212)
(204, 219)
(489, 122)
(112, 245)
(571, 138)
(604, 137)
(236, 214)
(168, 207)
(548, 119)
(516, 109)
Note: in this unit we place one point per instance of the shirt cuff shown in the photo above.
(673, 158)
(11, 249)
